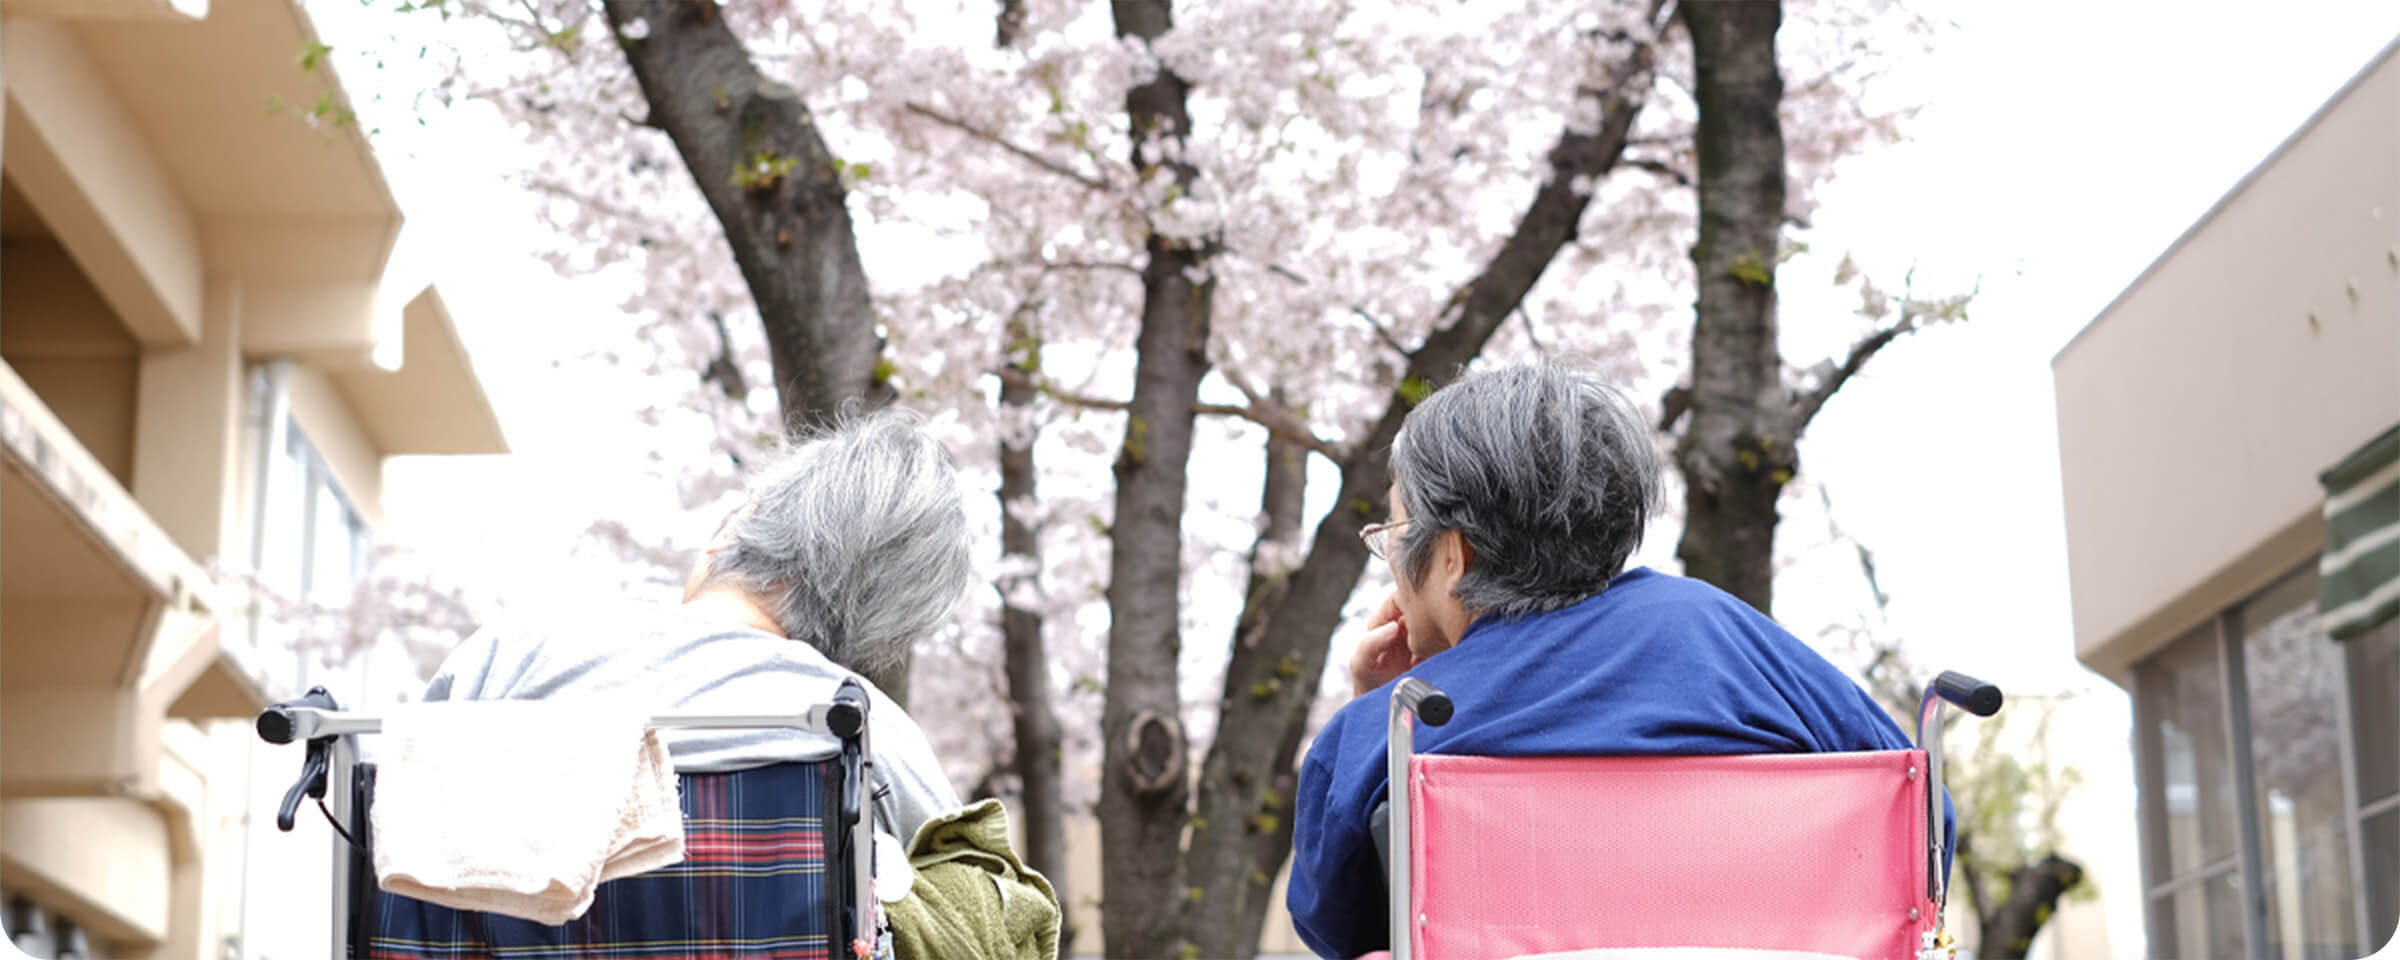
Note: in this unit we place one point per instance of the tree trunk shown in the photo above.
(1040, 793)
(753, 148)
(1272, 677)
(1145, 762)
(2033, 894)
(1232, 864)
(1737, 452)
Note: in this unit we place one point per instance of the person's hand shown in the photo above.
(1383, 653)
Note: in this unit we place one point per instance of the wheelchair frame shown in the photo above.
(332, 765)
(1414, 699)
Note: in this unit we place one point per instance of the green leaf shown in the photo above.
(312, 54)
(1415, 389)
(1752, 269)
(1137, 438)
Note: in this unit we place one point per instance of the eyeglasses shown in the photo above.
(1378, 537)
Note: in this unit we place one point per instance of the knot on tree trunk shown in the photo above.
(1154, 752)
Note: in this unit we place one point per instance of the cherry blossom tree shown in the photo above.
(1129, 252)
(2011, 864)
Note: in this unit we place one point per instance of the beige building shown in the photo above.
(202, 368)
(2225, 427)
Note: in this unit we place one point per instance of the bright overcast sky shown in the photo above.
(2064, 144)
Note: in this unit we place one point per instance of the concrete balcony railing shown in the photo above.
(110, 627)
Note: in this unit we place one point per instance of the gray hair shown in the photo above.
(1549, 474)
(853, 538)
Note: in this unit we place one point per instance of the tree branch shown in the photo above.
(1662, 168)
(724, 370)
(1088, 181)
(1530, 336)
(1276, 418)
(1054, 266)
(1860, 352)
(1914, 314)
(1009, 24)
(1380, 333)
(1268, 411)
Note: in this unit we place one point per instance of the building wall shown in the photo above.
(2195, 414)
(162, 237)
(169, 874)
(68, 345)
(2196, 410)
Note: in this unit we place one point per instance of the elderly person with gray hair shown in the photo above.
(1518, 497)
(849, 546)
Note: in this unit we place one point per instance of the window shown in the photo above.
(2188, 797)
(2292, 671)
(313, 547)
(2375, 707)
(44, 934)
(2269, 761)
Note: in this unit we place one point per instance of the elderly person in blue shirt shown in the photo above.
(1518, 496)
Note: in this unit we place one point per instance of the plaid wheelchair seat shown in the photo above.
(758, 882)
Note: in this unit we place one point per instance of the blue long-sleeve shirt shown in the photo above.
(1656, 664)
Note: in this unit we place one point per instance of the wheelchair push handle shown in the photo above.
(1967, 693)
(1418, 697)
(276, 724)
(848, 715)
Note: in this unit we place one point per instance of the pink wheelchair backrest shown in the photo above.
(1811, 853)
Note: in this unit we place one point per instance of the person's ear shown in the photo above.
(1452, 556)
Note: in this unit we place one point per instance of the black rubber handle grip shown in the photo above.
(1967, 693)
(848, 715)
(1423, 699)
(275, 723)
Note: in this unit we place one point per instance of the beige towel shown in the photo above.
(521, 808)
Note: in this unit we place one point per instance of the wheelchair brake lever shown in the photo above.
(312, 782)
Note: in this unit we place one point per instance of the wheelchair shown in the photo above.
(778, 864)
(1801, 855)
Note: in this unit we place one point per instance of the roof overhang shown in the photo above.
(176, 10)
(431, 404)
(281, 147)
(283, 194)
